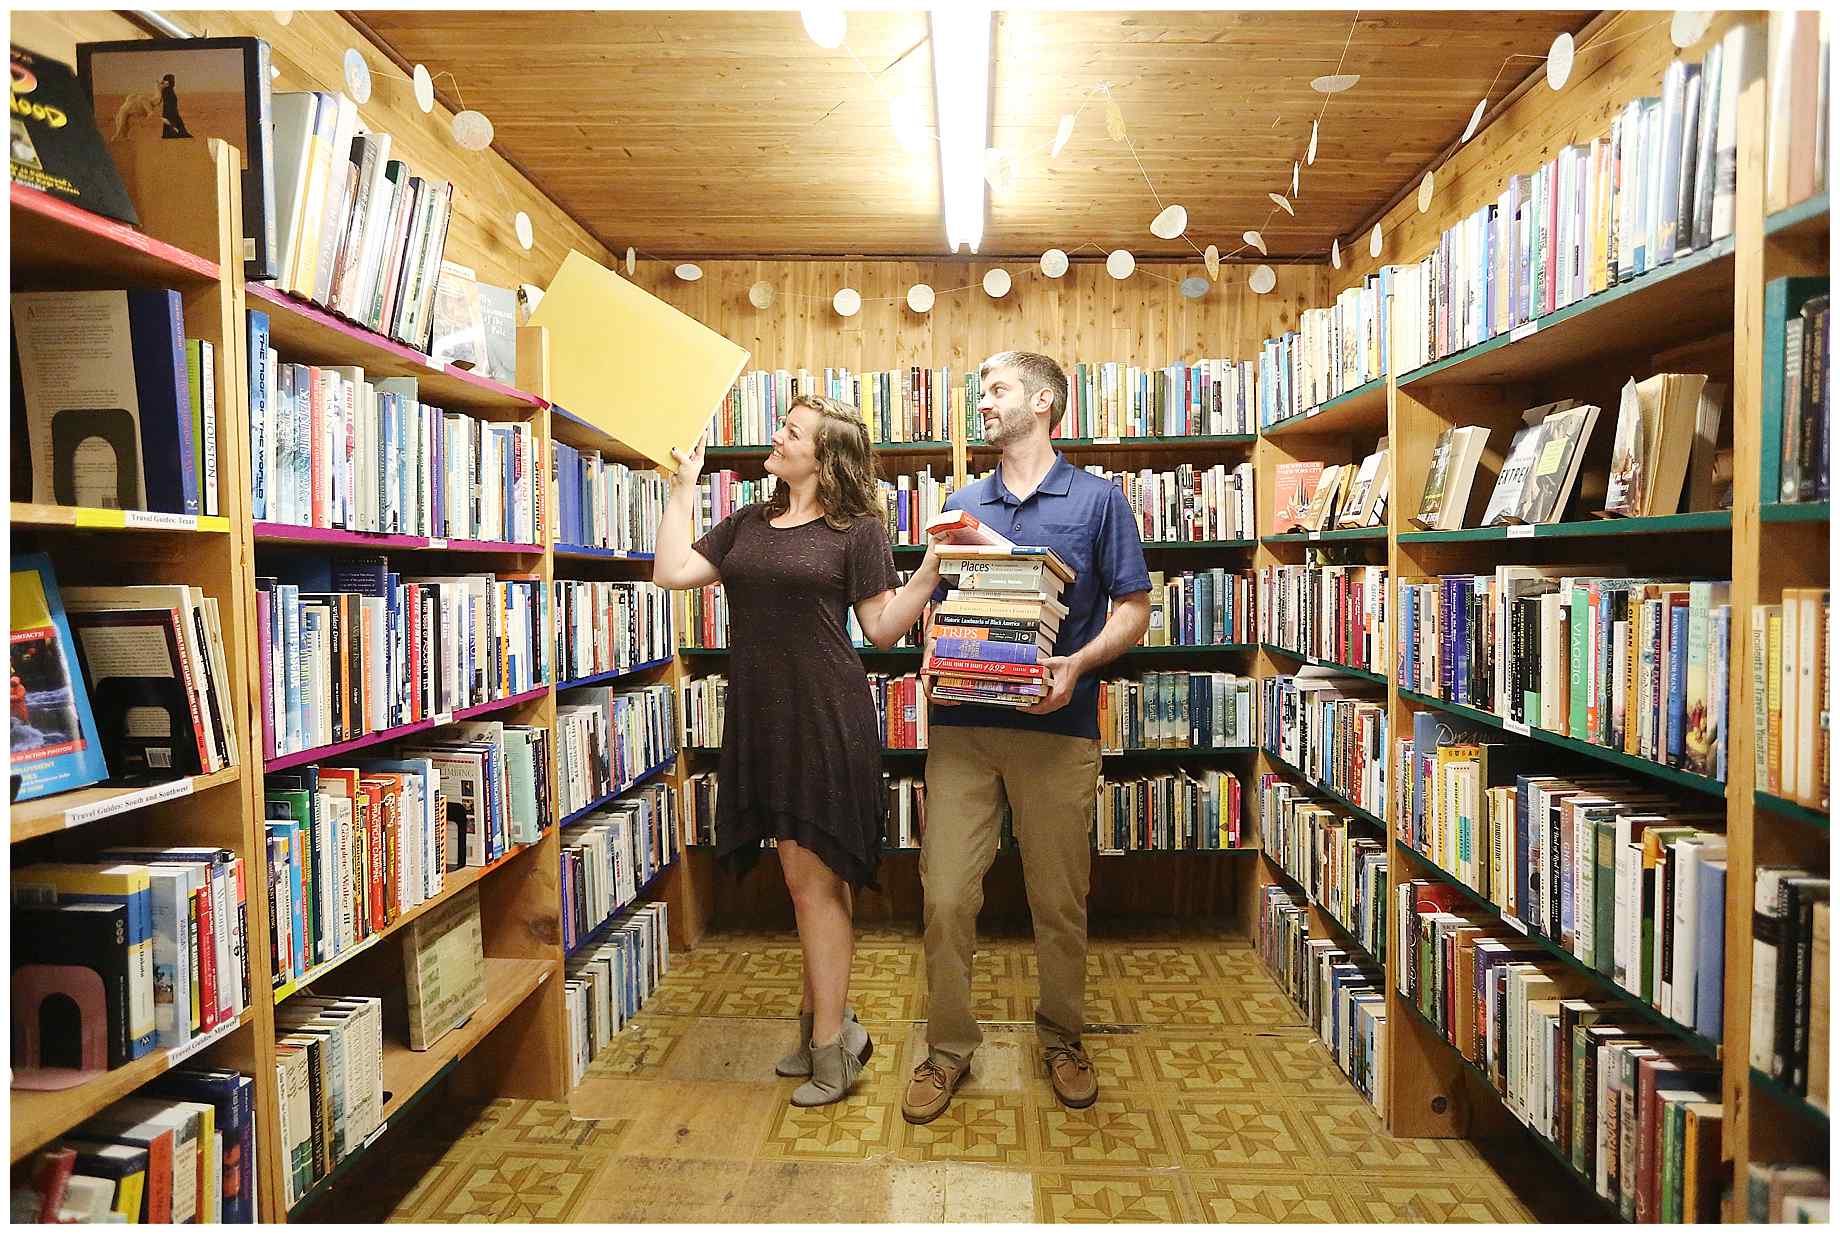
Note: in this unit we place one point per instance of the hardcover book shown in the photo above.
(192, 89)
(1448, 480)
(56, 148)
(1291, 493)
(459, 325)
(1555, 466)
(55, 745)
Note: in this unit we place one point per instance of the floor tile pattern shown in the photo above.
(1216, 1105)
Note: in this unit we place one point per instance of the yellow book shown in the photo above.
(1773, 660)
(128, 885)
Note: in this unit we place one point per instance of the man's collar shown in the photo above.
(1057, 482)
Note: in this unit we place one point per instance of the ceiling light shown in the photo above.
(961, 99)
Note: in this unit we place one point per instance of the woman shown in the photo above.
(801, 758)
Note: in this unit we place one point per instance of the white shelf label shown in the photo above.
(1316, 535)
(159, 520)
(1521, 531)
(1105, 441)
(374, 1136)
(1515, 726)
(443, 717)
(179, 1054)
(432, 543)
(76, 816)
(1523, 331)
(1514, 921)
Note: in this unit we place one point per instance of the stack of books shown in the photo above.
(1000, 618)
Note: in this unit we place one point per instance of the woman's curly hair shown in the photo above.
(847, 480)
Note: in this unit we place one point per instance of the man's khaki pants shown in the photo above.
(1051, 782)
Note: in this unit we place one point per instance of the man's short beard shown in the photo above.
(1011, 429)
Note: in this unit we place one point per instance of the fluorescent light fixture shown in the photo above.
(961, 100)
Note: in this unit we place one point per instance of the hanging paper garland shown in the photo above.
(1262, 279)
(1061, 135)
(1212, 260)
(1310, 156)
(1054, 263)
(525, 235)
(424, 89)
(1425, 189)
(996, 283)
(1193, 287)
(472, 131)
(760, 295)
(1373, 242)
(1559, 62)
(1334, 83)
(1280, 201)
(1475, 118)
(920, 298)
(847, 302)
(357, 76)
(1335, 253)
(689, 272)
(632, 261)
(1172, 222)
(825, 26)
(1256, 240)
(1119, 263)
(1688, 28)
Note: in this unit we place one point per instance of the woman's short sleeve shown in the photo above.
(870, 561)
(719, 539)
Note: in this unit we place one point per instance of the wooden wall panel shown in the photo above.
(309, 52)
(1633, 50)
(1086, 315)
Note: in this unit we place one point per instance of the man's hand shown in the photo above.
(926, 688)
(1061, 674)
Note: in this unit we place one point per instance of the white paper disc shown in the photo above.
(357, 76)
(825, 26)
(1373, 242)
(1559, 62)
(1119, 263)
(632, 261)
(525, 235)
(1169, 224)
(1212, 260)
(920, 298)
(1475, 118)
(274, 72)
(847, 302)
(1193, 287)
(1282, 202)
(1310, 155)
(999, 170)
(285, 16)
(1054, 263)
(1688, 27)
(1262, 279)
(472, 131)
(1335, 253)
(424, 89)
(689, 272)
(1334, 83)
(760, 295)
(1426, 188)
(1254, 239)
(996, 283)
(1061, 135)
(1296, 178)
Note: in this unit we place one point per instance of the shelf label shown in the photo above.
(432, 543)
(374, 1136)
(1515, 922)
(76, 816)
(1515, 726)
(1105, 441)
(1521, 531)
(1316, 535)
(1523, 330)
(443, 717)
(158, 520)
(179, 1054)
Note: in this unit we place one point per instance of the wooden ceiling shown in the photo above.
(711, 134)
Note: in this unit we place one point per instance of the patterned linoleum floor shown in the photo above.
(1216, 1105)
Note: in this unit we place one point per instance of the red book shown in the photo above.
(51, 1179)
(207, 958)
(983, 668)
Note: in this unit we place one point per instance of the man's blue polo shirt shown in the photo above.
(1086, 520)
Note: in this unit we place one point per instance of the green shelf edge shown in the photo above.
(1325, 791)
(1326, 537)
(1615, 758)
(1363, 673)
(1794, 216)
(1647, 1011)
(1662, 524)
(1291, 424)
(1793, 810)
(1605, 1207)
(1721, 251)
(1173, 545)
(1794, 512)
(1789, 1097)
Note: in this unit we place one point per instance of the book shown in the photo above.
(108, 409)
(55, 744)
(956, 527)
(498, 319)
(56, 147)
(1291, 493)
(1445, 500)
(459, 324)
(194, 89)
(1563, 436)
(443, 969)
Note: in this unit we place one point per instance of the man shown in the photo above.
(1044, 760)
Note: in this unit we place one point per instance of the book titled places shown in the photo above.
(999, 620)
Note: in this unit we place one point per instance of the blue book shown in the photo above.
(985, 649)
(1709, 994)
(1677, 686)
(288, 832)
(1424, 742)
(54, 745)
(156, 326)
(232, 1096)
(258, 414)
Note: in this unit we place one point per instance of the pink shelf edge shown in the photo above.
(290, 533)
(47, 206)
(383, 342)
(281, 762)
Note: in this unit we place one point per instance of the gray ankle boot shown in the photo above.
(798, 1062)
(834, 1067)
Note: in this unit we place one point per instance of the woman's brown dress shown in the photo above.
(801, 745)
